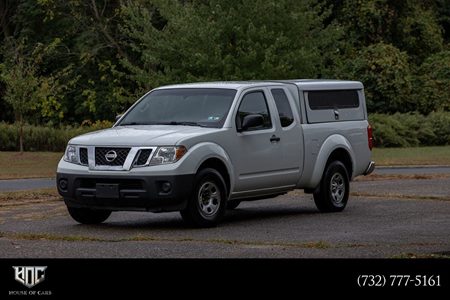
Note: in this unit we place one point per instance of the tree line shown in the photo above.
(64, 62)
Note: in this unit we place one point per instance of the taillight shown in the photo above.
(370, 136)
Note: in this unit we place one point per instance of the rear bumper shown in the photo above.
(144, 193)
(370, 168)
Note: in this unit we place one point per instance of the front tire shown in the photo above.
(88, 216)
(333, 192)
(207, 204)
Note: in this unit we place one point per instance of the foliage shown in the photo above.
(368, 22)
(389, 46)
(433, 83)
(22, 83)
(440, 121)
(420, 33)
(68, 61)
(411, 26)
(409, 130)
(44, 138)
(385, 72)
(25, 89)
(442, 9)
(223, 40)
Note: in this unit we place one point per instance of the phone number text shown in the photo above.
(379, 280)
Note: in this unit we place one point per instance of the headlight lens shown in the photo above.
(168, 155)
(71, 155)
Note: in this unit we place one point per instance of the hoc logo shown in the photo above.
(29, 276)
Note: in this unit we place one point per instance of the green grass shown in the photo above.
(28, 164)
(438, 155)
(43, 164)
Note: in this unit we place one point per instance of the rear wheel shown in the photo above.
(88, 216)
(207, 203)
(333, 192)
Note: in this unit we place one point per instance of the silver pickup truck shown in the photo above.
(203, 148)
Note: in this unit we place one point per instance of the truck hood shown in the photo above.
(148, 135)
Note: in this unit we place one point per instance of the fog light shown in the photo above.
(63, 184)
(166, 187)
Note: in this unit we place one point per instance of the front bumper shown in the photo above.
(144, 193)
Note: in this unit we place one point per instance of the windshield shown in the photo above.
(190, 106)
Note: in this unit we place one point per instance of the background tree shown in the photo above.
(433, 84)
(92, 43)
(22, 85)
(386, 73)
(226, 40)
(419, 32)
(106, 53)
(25, 90)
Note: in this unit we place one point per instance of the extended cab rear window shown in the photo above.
(283, 107)
(333, 99)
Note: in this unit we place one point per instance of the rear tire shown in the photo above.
(207, 204)
(333, 192)
(88, 216)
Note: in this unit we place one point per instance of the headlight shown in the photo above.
(71, 155)
(168, 155)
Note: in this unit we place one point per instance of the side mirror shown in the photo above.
(251, 121)
(118, 117)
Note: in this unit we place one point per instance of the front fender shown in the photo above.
(332, 143)
(200, 152)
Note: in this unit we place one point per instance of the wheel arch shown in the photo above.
(218, 165)
(335, 147)
(343, 156)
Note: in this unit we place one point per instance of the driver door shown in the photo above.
(257, 152)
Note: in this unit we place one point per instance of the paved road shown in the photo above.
(40, 183)
(406, 188)
(12, 185)
(373, 225)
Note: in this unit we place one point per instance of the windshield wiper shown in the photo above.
(184, 123)
(132, 123)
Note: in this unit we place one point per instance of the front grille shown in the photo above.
(120, 153)
(83, 156)
(143, 156)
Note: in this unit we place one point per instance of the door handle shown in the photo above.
(274, 139)
(336, 114)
